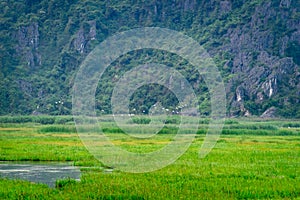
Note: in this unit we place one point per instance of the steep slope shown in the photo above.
(255, 44)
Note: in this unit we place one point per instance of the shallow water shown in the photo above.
(39, 172)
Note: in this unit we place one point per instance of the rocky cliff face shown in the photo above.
(28, 44)
(82, 37)
(256, 45)
(262, 72)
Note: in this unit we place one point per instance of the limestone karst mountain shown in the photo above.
(255, 44)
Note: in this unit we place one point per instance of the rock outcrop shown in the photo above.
(28, 44)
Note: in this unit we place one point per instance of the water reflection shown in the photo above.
(39, 172)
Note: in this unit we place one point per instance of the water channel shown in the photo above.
(39, 172)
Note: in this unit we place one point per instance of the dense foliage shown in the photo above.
(42, 44)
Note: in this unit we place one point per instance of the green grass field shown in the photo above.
(253, 159)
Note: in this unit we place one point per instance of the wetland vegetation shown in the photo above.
(252, 159)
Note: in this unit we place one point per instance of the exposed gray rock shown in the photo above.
(285, 3)
(28, 43)
(79, 41)
(269, 113)
(93, 30)
(225, 7)
(258, 75)
(189, 5)
(283, 46)
(82, 39)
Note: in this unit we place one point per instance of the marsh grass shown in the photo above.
(41, 119)
(57, 129)
(247, 162)
(59, 184)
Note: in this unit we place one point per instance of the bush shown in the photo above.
(141, 120)
(286, 132)
(112, 130)
(204, 121)
(230, 121)
(17, 119)
(168, 130)
(63, 120)
(45, 120)
(292, 125)
(245, 132)
(172, 121)
(57, 129)
(253, 127)
(202, 131)
(36, 119)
